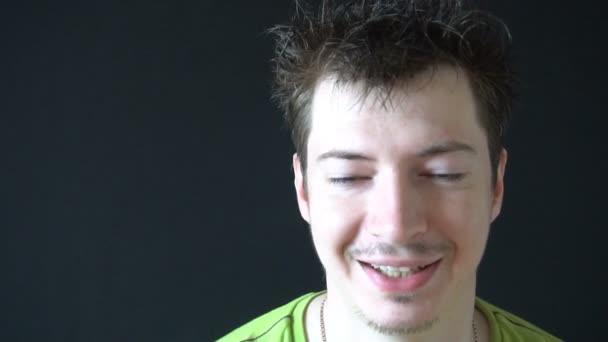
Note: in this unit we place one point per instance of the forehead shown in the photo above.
(435, 105)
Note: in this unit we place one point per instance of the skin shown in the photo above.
(414, 172)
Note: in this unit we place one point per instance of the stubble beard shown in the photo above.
(398, 328)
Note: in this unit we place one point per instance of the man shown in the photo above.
(397, 110)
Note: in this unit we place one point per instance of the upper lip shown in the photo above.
(399, 262)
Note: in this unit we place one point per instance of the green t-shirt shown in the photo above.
(286, 324)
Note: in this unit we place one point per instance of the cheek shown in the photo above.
(335, 225)
(464, 220)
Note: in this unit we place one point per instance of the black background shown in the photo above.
(146, 183)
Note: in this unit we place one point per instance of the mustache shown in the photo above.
(416, 248)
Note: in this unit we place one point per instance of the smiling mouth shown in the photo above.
(397, 271)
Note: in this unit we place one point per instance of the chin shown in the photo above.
(398, 314)
(398, 325)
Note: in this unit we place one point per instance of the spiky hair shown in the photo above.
(381, 42)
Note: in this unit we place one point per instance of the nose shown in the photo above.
(396, 209)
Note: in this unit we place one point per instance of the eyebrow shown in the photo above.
(342, 154)
(446, 147)
(433, 150)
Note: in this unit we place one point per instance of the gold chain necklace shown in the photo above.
(324, 338)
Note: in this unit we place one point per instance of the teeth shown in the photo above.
(396, 272)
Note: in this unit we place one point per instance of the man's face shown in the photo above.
(399, 196)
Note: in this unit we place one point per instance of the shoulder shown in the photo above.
(507, 327)
(283, 324)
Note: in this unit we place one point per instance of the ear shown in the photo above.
(499, 186)
(301, 193)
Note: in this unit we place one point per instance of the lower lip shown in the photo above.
(401, 284)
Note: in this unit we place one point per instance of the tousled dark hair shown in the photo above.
(382, 42)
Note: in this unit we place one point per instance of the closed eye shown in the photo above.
(446, 177)
(346, 180)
